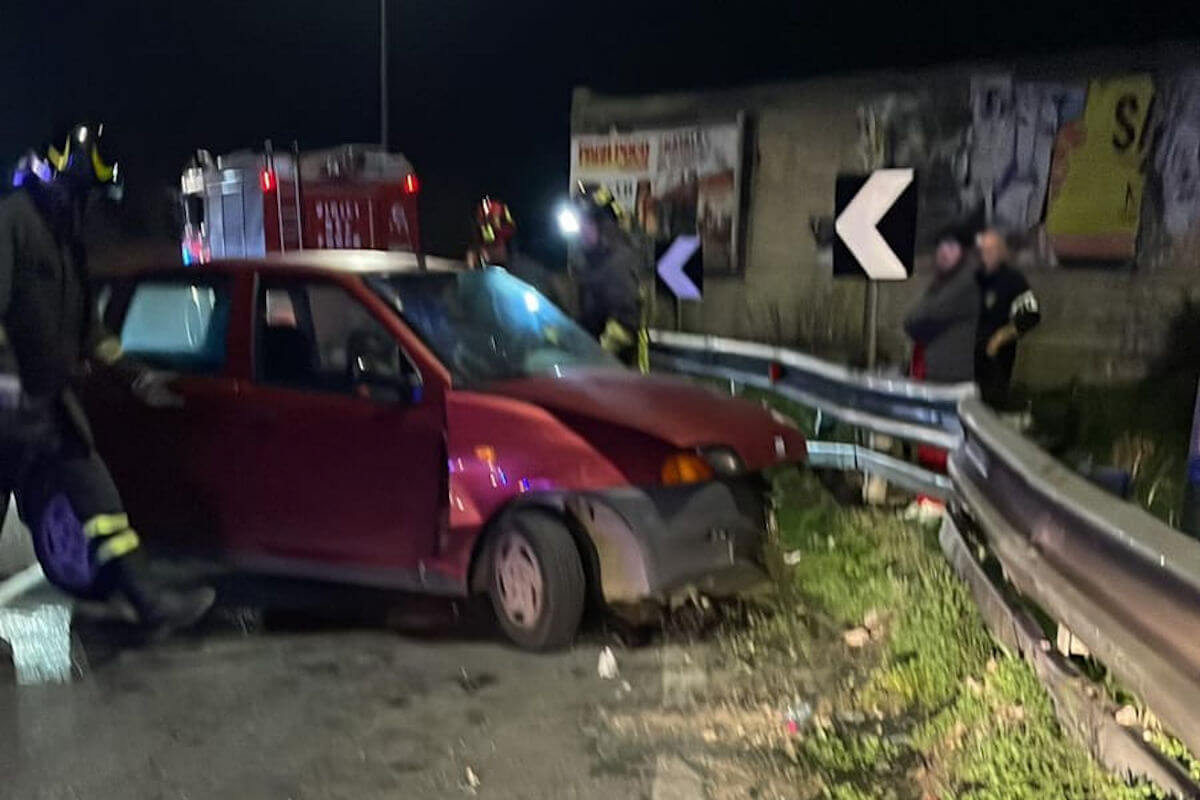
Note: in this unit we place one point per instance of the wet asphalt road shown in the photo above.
(420, 704)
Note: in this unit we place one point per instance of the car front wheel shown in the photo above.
(537, 582)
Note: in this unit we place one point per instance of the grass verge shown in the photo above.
(928, 706)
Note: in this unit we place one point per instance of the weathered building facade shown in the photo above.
(1091, 162)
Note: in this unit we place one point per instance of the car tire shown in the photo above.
(536, 581)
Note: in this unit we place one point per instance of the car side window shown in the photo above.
(317, 336)
(178, 325)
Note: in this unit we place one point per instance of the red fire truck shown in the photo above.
(249, 204)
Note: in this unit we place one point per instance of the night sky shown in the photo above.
(480, 89)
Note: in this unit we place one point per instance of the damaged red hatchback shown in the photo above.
(346, 416)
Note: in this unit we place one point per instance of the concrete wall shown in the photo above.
(1099, 323)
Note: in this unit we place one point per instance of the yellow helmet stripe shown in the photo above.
(57, 158)
(117, 546)
(104, 172)
(105, 525)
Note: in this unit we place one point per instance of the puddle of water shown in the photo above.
(40, 638)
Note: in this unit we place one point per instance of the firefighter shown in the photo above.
(496, 245)
(49, 334)
(610, 269)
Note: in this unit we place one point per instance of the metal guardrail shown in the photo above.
(1123, 583)
(895, 406)
(857, 458)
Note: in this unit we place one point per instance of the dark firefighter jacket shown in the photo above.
(48, 324)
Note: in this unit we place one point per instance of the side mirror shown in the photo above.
(379, 371)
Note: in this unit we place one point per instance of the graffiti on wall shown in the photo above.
(1013, 130)
(1177, 155)
(928, 131)
(1067, 159)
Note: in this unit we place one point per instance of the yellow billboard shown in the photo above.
(1096, 174)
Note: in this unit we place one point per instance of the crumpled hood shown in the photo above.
(674, 410)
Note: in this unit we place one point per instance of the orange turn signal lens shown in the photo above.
(681, 468)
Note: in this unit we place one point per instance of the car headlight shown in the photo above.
(685, 467)
(702, 464)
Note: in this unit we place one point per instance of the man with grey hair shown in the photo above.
(1008, 310)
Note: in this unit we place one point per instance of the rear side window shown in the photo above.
(306, 331)
(178, 325)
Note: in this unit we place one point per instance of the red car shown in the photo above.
(343, 415)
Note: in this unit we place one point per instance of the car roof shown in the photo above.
(352, 262)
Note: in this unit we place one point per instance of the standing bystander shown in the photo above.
(943, 322)
(1008, 311)
(942, 325)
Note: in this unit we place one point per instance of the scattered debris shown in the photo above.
(1069, 645)
(857, 637)
(974, 686)
(792, 557)
(473, 683)
(1126, 716)
(1013, 712)
(873, 622)
(472, 780)
(797, 716)
(606, 667)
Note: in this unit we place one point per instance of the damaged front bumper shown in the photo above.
(653, 542)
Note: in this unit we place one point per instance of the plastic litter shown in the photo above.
(607, 667)
(797, 716)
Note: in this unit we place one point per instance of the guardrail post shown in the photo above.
(871, 323)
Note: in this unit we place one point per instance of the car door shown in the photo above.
(344, 472)
(171, 462)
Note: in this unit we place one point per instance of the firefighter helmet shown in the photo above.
(30, 167)
(494, 221)
(84, 156)
(598, 202)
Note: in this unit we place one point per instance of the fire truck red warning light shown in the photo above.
(411, 184)
(266, 179)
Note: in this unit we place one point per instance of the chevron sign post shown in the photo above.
(876, 225)
(680, 268)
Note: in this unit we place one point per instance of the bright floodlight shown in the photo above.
(568, 222)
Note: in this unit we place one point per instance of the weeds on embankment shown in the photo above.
(930, 707)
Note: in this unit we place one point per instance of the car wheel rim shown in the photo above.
(519, 578)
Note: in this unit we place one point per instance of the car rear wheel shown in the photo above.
(537, 583)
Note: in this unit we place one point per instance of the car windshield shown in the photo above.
(485, 325)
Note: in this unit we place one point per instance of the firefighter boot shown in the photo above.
(161, 610)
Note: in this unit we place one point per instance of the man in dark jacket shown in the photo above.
(1008, 310)
(48, 335)
(609, 273)
(943, 322)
